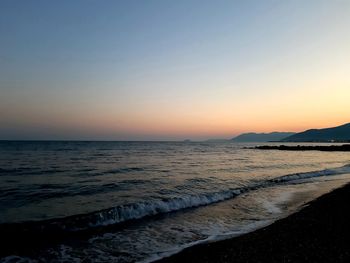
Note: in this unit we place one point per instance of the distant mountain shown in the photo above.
(217, 140)
(262, 137)
(340, 134)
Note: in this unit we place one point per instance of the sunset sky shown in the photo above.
(169, 70)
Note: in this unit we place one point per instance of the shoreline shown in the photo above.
(318, 232)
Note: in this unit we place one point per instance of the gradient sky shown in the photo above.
(165, 70)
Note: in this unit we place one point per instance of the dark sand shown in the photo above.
(320, 232)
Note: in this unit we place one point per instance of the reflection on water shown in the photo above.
(213, 190)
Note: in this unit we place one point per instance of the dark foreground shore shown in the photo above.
(319, 232)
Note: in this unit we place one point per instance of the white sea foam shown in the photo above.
(139, 210)
(127, 212)
(124, 213)
(334, 171)
(175, 250)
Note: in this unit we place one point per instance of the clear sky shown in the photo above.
(164, 70)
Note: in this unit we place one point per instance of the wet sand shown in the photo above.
(320, 232)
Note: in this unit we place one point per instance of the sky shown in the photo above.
(171, 70)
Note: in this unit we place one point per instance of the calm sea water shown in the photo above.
(162, 196)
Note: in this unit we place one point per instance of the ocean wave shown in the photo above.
(39, 192)
(133, 211)
(29, 171)
(81, 172)
(297, 176)
(122, 170)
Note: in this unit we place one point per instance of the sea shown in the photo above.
(143, 201)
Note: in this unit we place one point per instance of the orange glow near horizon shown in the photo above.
(219, 117)
(257, 67)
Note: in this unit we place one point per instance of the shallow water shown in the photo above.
(180, 193)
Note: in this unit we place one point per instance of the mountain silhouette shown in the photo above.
(335, 134)
(261, 137)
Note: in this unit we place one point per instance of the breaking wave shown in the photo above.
(127, 212)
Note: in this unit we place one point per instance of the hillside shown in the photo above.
(336, 134)
(262, 137)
